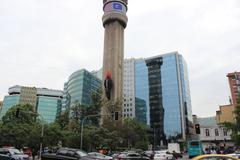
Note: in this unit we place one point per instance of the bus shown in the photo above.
(194, 148)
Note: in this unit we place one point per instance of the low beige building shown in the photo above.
(225, 113)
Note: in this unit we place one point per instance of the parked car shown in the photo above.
(215, 157)
(131, 156)
(163, 155)
(12, 154)
(66, 154)
(99, 156)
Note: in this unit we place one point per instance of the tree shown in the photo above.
(95, 108)
(235, 127)
(134, 134)
(26, 114)
(52, 135)
(99, 137)
(63, 119)
(14, 130)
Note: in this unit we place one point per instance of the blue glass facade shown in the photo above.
(8, 102)
(141, 87)
(48, 107)
(79, 88)
(176, 99)
(141, 110)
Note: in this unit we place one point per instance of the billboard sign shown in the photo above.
(115, 6)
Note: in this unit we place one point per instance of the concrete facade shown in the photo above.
(225, 113)
(211, 134)
(234, 84)
(129, 88)
(114, 21)
(28, 96)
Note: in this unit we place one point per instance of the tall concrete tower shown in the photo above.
(114, 22)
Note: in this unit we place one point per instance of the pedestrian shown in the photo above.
(33, 153)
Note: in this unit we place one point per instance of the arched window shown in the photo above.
(216, 132)
(207, 132)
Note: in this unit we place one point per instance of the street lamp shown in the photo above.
(41, 140)
(96, 115)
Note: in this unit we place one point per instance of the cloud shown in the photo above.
(43, 42)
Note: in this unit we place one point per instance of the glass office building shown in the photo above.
(141, 110)
(79, 88)
(168, 94)
(49, 107)
(8, 102)
(47, 102)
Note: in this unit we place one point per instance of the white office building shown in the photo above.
(128, 89)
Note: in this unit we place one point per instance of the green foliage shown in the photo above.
(63, 119)
(134, 134)
(52, 135)
(15, 131)
(26, 115)
(25, 130)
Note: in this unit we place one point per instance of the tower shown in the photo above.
(114, 21)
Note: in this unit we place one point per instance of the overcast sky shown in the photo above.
(43, 41)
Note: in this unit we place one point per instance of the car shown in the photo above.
(163, 156)
(131, 155)
(215, 157)
(99, 156)
(66, 154)
(12, 154)
(236, 155)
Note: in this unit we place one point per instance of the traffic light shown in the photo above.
(197, 128)
(115, 116)
(17, 112)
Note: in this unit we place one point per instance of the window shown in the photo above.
(216, 132)
(207, 132)
(71, 153)
(224, 132)
(62, 152)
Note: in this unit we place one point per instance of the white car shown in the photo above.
(13, 154)
(99, 156)
(163, 156)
